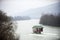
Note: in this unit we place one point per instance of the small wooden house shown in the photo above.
(37, 29)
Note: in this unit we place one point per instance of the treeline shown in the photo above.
(7, 28)
(50, 19)
(16, 18)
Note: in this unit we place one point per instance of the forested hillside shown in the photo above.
(51, 20)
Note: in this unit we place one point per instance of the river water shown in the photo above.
(25, 31)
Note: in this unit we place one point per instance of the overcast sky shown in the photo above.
(12, 7)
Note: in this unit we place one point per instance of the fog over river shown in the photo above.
(25, 31)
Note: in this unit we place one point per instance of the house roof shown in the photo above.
(37, 26)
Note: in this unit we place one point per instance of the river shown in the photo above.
(24, 29)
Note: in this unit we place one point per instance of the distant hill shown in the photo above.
(37, 12)
(21, 18)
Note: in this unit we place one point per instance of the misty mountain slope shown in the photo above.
(35, 13)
